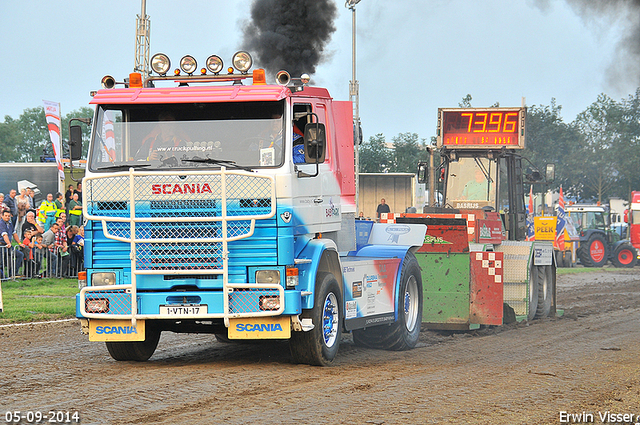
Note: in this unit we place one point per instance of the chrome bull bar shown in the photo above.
(179, 223)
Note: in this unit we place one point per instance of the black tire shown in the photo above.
(404, 333)
(625, 255)
(319, 346)
(223, 337)
(508, 314)
(595, 252)
(567, 259)
(533, 293)
(545, 291)
(560, 259)
(137, 351)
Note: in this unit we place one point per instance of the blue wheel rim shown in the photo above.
(330, 319)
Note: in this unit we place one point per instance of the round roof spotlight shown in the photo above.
(160, 63)
(304, 78)
(214, 64)
(242, 61)
(188, 64)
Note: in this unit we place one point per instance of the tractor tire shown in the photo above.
(403, 334)
(319, 346)
(595, 252)
(545, 291)
(567, 259)
(137, 351)
(533, 293)
(625, 255)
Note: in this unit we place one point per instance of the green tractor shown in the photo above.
(598, 243)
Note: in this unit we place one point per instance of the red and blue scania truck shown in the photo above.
(217, 203)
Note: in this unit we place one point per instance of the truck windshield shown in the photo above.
(246, 134)
(471, 183)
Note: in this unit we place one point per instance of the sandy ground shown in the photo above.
(587, 362)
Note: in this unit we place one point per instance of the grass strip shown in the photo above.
(35, 300)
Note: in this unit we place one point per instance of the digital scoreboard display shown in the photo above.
(481, 127)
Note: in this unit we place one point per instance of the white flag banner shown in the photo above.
(52, 114)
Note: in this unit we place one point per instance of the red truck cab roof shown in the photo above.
(203, 94)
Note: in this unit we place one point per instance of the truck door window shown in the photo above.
(301, 117)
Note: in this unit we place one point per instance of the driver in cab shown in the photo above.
(163, 140)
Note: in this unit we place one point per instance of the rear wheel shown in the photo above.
(138, 351)
(533, 293)
(319, 346)
(545, 291)
(404, 333)
(625, 255)
(595, 252)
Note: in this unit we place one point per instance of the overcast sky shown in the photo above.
(413, 55)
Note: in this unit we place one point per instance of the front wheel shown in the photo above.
(138, 351)
(319, 346)
(625, 255)
(404, 333)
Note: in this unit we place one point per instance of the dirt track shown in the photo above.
(587, 361)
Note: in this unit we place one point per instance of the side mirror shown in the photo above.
(551, 173)
(75, 142)
(423, 172)
(359, 141)
(315, 141)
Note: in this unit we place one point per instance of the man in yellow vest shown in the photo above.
(47, 213)
(75, 211)
(59, 204)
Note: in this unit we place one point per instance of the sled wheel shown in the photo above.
(545, 291)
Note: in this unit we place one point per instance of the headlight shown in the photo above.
(103, 279)
(268, 276)
(242, 61)
(160, 63)
(188, 64)
(214, 64)
(271, 302)
(96, 305)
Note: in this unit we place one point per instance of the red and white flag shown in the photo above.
(52, 114)
(561, 223)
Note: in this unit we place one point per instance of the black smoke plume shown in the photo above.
(289, 34)
(624, 69)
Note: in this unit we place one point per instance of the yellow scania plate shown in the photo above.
(260, 328)
(116, 330)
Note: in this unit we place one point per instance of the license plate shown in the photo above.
(183, 310)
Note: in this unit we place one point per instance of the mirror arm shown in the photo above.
(82, 120)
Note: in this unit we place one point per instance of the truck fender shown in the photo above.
(389, 251)
(323, 256)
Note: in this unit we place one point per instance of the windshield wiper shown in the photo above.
(124, 166)
(224, 162)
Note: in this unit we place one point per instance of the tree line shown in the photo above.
(597, 155)
(26, 138)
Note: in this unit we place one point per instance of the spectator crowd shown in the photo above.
(44, 240)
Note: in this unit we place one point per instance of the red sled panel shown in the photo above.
(486, 295)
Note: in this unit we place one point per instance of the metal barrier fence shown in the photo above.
(27, 263)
